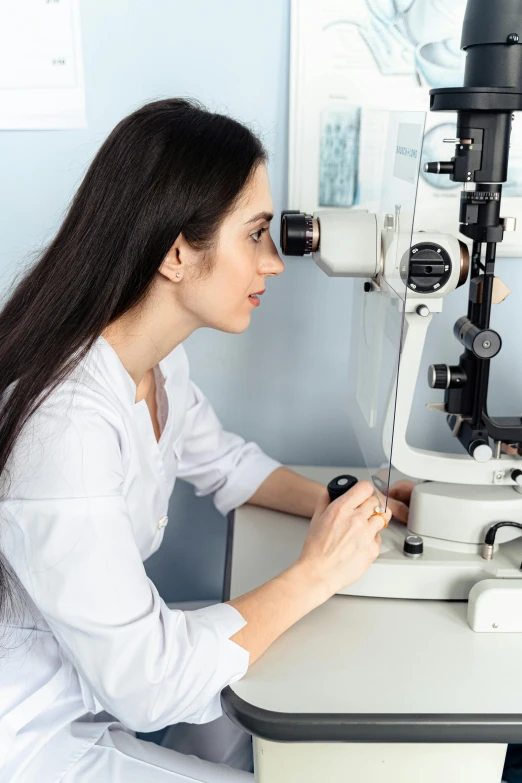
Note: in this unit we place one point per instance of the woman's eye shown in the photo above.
(256, 236)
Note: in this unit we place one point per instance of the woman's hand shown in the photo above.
(342, 542)
(344, 537)
(399, 497)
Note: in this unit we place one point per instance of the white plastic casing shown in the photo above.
(349, 244)
(463, 514)
(495, 606)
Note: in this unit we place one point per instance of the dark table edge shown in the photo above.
(346, 727)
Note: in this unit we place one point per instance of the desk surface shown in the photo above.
(369, 669)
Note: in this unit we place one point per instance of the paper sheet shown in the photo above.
(41, 68)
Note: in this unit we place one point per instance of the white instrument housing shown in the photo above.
(464, 496)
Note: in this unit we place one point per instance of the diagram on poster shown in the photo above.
(352, 60)
(41, 69)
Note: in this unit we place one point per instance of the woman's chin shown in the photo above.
(236, 325)
(240, 326)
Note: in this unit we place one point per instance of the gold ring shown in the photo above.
(380, 512)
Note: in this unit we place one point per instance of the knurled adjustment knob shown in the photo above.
(439, 376)
(413, 546)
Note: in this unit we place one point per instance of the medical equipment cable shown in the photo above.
(489, 541)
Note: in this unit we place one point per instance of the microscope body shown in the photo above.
(463, 495)
(459, 496)
(467, 513)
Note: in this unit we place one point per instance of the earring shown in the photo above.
(178, 274)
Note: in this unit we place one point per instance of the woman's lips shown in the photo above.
(254, 298)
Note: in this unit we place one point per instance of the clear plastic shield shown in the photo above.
(379, 304)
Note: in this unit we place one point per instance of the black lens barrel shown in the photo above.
(297, 233)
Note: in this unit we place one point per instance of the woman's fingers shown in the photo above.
(367, 509)
(363, 498)
(399, 510)
(357, 495)
(350, 501)
(394, 508)
(378, 522)
(401, 491)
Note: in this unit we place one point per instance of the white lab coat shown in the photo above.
(87, 504)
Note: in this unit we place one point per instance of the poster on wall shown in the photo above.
(352, 61)
(41, 69)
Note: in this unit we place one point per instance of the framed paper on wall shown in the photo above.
(350, 59)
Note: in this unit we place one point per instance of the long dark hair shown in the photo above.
(169, 167)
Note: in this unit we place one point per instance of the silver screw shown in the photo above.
(486, 344)
(500, 476)
(494, 625)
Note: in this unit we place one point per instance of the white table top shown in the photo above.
(369, 656)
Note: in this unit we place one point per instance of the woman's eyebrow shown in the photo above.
(260, 216)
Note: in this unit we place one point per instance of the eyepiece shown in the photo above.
(299, 233)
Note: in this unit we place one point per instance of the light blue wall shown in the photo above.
(284, 382)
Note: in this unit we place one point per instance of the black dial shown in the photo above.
(413, 546)
(439, 376)
(426, 268)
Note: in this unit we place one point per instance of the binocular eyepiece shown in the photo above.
(300, 233)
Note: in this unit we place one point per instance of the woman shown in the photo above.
(167, 233)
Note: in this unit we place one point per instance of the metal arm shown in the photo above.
(492, 91)
(420, 463)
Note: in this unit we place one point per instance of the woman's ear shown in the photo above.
(173, 266)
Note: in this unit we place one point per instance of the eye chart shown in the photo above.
(41, 68)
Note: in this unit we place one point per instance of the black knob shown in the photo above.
(439, 376)
(440, 167)
(516, 475)
(484, 343)
(339, 485)
(413, 546)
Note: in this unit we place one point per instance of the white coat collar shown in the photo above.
(103, 363)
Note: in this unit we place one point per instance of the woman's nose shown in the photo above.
(278, 265)
(272, 263)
